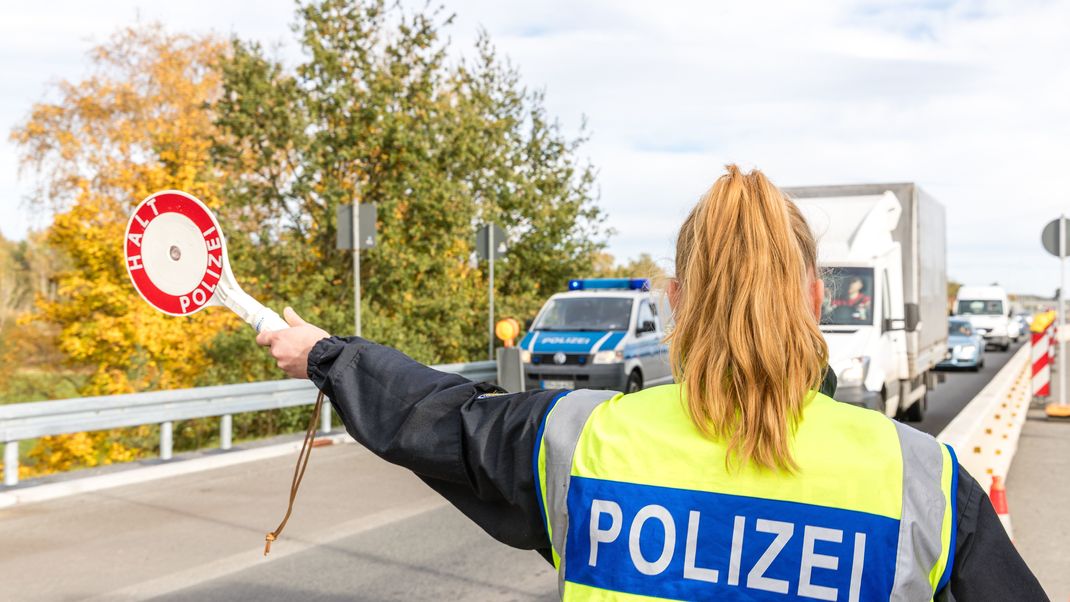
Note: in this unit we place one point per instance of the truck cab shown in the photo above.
(988, 310)
(603, 333)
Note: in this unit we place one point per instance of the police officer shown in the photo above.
(744, 481)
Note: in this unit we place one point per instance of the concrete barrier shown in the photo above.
(985, 433)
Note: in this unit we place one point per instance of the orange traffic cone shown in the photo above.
(998, 495)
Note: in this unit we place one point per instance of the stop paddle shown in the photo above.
(176, 256)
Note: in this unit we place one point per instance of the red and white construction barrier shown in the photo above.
(1053, 342)
(1041, 357)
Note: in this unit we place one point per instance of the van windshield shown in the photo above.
(848, 296)
(585, 313)
(979, 307)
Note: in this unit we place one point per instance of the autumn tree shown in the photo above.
(140, 123)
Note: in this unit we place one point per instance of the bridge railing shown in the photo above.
(22, 421)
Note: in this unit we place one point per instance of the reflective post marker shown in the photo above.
(166, 439)
(11, 463)
(325, 420)
(226, 430)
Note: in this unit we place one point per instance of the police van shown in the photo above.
(604, 333)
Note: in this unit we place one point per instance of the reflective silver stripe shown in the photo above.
(560, 435)
(921, 526)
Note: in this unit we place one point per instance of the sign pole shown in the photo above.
(356, 266)
(490, 318)
(1062, 309)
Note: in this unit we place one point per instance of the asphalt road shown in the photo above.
(959, 388)
(362, 530)
(437, 555)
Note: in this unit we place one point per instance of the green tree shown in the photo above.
(378, 113)
(643, 266)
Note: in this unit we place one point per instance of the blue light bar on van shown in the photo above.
(626, 284)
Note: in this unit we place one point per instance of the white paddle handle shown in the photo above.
(267, 319)
(252, 311)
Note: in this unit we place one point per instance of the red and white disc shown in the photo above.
(175, 252)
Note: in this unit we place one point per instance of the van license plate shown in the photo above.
(558, 384)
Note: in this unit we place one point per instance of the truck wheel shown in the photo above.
(916, 412)
(635, 382)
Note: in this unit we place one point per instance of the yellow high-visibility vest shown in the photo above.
(640, 505)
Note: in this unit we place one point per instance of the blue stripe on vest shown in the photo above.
(946, 577)
(723, 546)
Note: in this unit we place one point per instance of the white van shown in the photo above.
(988, 310)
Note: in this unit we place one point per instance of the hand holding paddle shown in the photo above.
(290, 347)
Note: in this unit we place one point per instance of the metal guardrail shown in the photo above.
(39, 419)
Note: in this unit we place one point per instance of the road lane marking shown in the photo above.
(254, 555)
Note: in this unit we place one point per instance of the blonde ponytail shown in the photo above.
(746, 348)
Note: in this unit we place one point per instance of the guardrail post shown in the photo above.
(11, 463)
(166, 439)
(226, 427)
(325, 419)
(510, 370)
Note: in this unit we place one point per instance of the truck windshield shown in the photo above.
(979, 307)
(585, 313)
(848, 296)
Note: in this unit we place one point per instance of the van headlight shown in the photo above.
(525, 356)
(853, 373)
(608, 357)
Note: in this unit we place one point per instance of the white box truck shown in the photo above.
(881, 249)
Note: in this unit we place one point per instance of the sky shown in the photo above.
(969, 99)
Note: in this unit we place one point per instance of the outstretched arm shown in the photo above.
(469, 441)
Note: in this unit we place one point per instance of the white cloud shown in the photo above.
(966, 98)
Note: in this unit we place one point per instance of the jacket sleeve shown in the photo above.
(470, 442)
(987, 566)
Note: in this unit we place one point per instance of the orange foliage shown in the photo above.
(141, 123)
